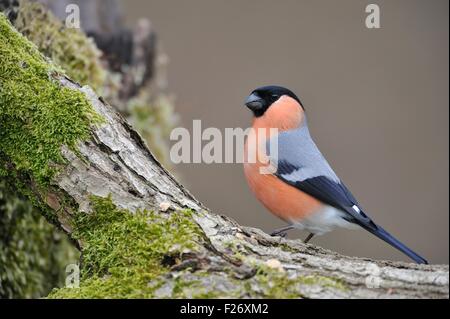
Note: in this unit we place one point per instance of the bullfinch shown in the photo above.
(301, 188)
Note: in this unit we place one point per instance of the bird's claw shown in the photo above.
(282, 234)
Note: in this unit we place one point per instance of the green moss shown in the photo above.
(276, 284)
(128, 285)
(287, 248)
(113, 237)
(182, 286)
(123, 253)
(68, 47)
(33, 256)
(37, 115)
(236, 250)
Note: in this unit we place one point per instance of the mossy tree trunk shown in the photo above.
(141, 233)
(28, 268)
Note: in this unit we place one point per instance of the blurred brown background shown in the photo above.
(377, 101)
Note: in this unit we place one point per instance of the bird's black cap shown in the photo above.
(262, 98)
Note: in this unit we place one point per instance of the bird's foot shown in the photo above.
(281, 232)
(310, 236)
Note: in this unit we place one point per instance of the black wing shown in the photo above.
(332, 193)
(337, 195)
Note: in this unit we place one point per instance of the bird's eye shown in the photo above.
(275, 96)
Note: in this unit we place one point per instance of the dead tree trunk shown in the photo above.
(222, 259)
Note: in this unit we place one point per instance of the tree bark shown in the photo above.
(114, 161)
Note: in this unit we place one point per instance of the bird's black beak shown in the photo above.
(255, 103)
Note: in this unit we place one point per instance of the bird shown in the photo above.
(288, 174)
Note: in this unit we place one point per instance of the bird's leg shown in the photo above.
(311, 235)
(282, 232)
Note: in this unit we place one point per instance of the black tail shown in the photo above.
(384, 235)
